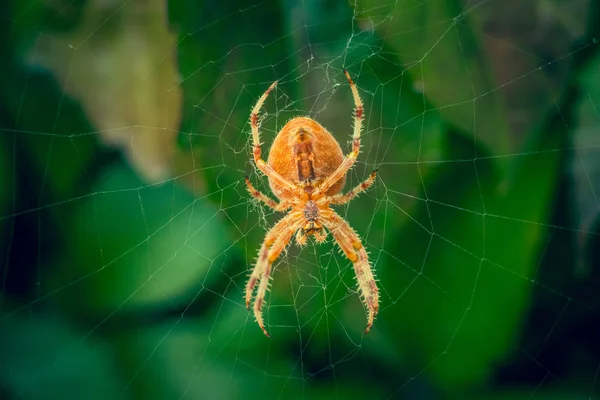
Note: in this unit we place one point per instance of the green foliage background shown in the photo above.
(481, 119)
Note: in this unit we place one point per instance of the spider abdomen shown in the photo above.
(302, 149)
(305, 152)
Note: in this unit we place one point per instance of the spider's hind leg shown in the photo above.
(259, 267)
(266, 260)
(351, 245)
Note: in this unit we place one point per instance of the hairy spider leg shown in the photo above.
(268, 241)
(266, 260)
(352, 247)
(339, 199)
(282, 206)
(351, 157)
(260, 163)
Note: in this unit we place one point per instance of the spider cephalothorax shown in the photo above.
(307, 171)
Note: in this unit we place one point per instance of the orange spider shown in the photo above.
(307, 171)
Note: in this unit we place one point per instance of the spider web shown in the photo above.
(124, 260)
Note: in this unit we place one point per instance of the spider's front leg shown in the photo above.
(352, 247)
(351, 157)
(260, 163)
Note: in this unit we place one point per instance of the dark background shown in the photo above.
(126, 233)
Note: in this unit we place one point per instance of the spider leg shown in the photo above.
(260, 163)
(258, 270)
(351, 245)
(266, 260)
(265, 199)
(339, 199)
(351, 157)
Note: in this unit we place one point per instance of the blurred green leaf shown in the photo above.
(53, 135)
(440, 51)
(226, 357)
(168, 361)
(8, 188)
(585, 163)
(469, 265)
(118, 61)
(133, 246)
(7, 175)
(43, 357)
(539, 394)
(191, 359)
(526, 43)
